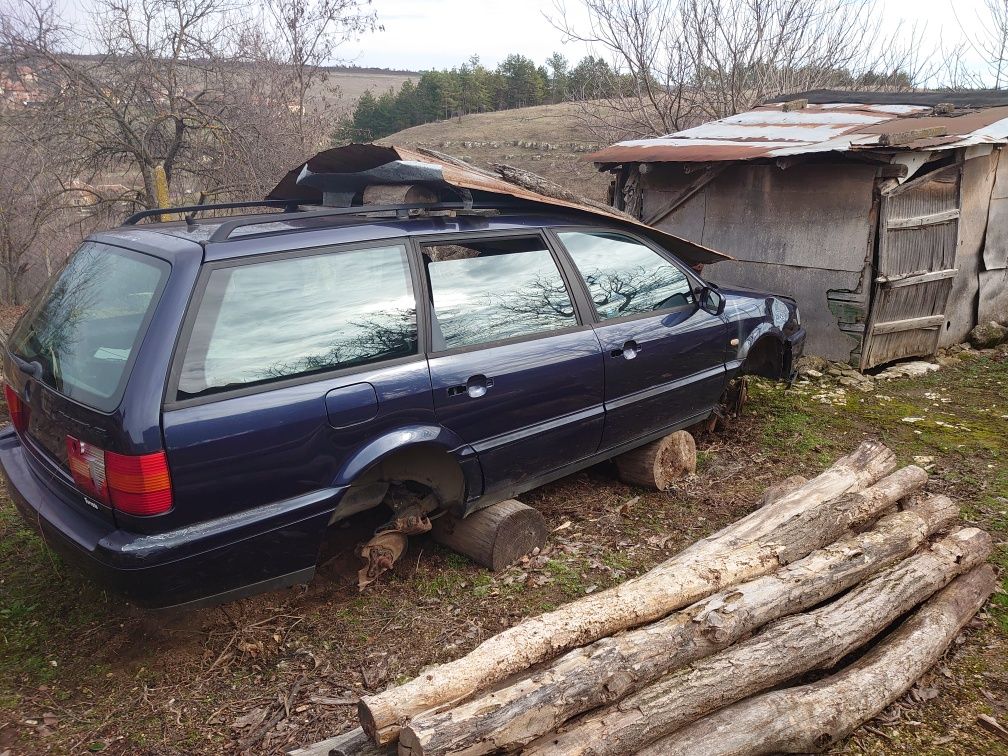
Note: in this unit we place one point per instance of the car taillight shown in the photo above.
(133, 484)
(17, 408)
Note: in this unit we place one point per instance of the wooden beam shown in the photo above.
(912, 279)
(909, 324)
(932, 219)
(711, 173)
(905, 137)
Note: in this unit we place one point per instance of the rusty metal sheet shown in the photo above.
(770, 131)
(355, 158)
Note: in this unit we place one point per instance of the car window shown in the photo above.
(495, 289)
(625, 277)
(85, 327)
(282, 318)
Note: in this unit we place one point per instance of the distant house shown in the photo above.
(884, 214)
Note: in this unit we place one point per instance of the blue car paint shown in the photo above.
(258, 475)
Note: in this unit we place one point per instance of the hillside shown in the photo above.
(546, 139)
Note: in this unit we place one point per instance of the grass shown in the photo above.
(127, 682)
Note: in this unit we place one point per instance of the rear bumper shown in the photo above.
(264, 548)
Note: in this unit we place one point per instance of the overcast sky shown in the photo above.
(443, 33)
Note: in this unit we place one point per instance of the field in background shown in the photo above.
(546, 139)
(350, 85)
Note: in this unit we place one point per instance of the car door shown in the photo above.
(514, 372)
(287, 365)
(664, 355)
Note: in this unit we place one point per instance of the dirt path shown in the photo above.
(79, 671)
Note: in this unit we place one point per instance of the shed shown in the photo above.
(885, 215)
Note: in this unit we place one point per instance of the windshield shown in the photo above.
(82, 332)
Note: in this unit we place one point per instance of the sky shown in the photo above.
(421, 34)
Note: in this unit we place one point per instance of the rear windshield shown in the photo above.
(82, 332)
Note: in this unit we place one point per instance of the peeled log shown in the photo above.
(811, 718)
(353, 743)
(788, 648)
(782, 489)
(755, 545)
(612, 668)
(658, 464)
(495, 537)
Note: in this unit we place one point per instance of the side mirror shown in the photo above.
(711, 300)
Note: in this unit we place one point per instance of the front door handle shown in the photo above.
(629, 350)
(475, 387)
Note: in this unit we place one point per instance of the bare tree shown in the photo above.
(307, 34)
(31, 195)
(679, 62)
(988, 42)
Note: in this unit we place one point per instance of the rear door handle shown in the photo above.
(475, 387)
(629, 350)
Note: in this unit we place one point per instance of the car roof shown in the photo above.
(297, 231)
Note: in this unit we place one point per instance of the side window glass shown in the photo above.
(624, 277)
(283, 318)
(494, 289)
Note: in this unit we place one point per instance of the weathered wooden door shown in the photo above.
(915, 267)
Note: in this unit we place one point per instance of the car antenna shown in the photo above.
(190, 217)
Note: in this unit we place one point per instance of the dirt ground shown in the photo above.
(82, 672)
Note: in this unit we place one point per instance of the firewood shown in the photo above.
(658, 464)
(611, 668)
(495, 537)
(791, 646)
(353, 743)
(782, 489)
(811, 718)
(755, 545)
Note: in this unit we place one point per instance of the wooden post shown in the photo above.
(657, 464)
(811, 718)
(495, 537)
(806, 519)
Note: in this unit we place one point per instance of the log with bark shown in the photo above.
(611, 668)
(811, 718)
(808, 518)
(785, 649)
(352, 743)
(495, 537)
(658, 464)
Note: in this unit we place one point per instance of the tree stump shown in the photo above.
(657, 464)
(495, 537)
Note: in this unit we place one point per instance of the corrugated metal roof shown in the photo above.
(770, 131)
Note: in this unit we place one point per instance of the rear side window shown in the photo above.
(267, 321)
(84, 329)
(625, 277)
(495, 289)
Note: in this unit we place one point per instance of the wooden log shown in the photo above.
(352, 743)
(811, 718)
(495, 537)
(755, 545)
(782, 489)
(790, 647)
(611, 668)
(658, 464)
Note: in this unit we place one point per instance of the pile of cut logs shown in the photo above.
(835, 595)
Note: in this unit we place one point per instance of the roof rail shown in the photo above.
(289, 205)
(224, 231)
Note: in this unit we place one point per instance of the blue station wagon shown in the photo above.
(195, 402)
